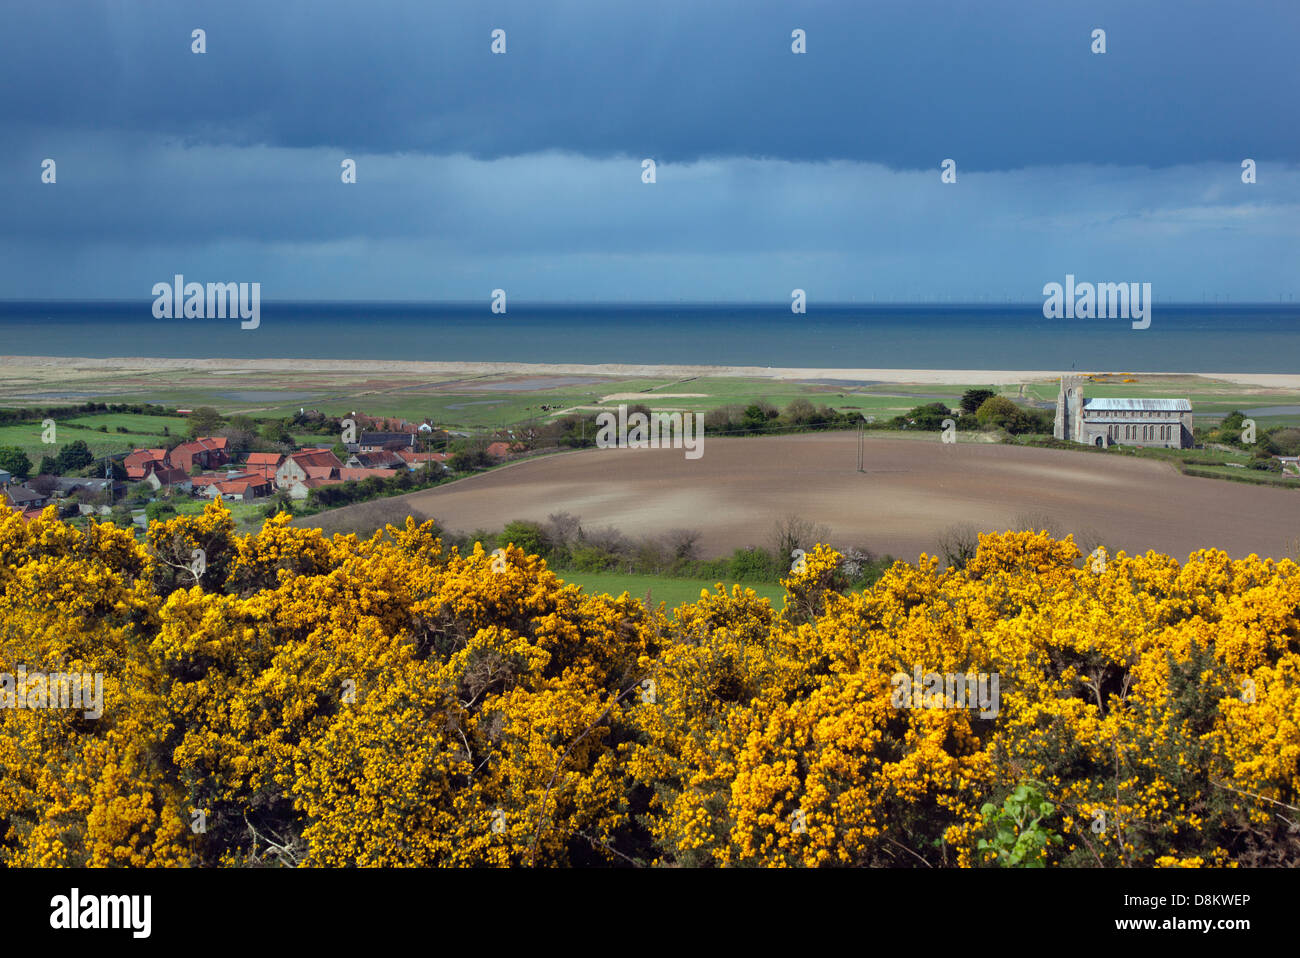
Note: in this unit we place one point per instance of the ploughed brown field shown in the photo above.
(911, 492)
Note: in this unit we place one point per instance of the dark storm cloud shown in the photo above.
(998, 85)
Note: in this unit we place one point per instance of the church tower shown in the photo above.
(1068, 423)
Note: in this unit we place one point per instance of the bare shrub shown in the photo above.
(792, 532)
(853, 559)
(1089, 539)
(722, 418)
(609, 539)
(958, 544)
(563, 528)
(650, 554)
(682, 544)
(1038, 522)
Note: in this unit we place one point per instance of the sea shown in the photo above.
(1252, 338)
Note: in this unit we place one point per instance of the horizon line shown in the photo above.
(784, 304)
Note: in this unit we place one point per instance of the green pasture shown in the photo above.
(247, 515)
(674, 592)
(142, 431)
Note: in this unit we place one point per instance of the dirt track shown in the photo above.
(910, 493)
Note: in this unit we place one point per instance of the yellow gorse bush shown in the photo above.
(306, 700)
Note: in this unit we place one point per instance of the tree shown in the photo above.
(159, 510)
(15, 462)
(997, 411)
(529, 536)
(800, 411)
(792, 532)
(121, 517)
(47, 466)
(930, 416)
(563, 528)
(75, 455)
(683, 544)
(758, 415)
(239, 440)
(204, 421)
(139, 493)
(972, 399)
(276, 431)
(44, 484)
(468, 460)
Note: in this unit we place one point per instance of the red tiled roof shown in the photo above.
(264, 458)
(137, 461)
(203, 444)
(168, 474)
(410, 456)
(316, 457)
(239, 485)
(145, 455)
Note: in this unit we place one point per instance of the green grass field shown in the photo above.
(1255, 476)
(247, 515)
(142, 431)
(674, 592)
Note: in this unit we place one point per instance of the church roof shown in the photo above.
(1146, 405)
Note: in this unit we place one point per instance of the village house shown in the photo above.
(242, 489)
(1163, 423)
(498, 450)
(421, 460)
(383, 459)
(139, 461)
(68, 486)
(379, 441)
(307, 464)
(263, 464)
(5, 477)
(24, 499)
(161, 477)
(207, 452)
(298, 488)
(205, 484)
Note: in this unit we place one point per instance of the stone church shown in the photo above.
(1130, 422)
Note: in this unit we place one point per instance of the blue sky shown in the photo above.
(775, 170)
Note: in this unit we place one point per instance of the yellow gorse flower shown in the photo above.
(336, 700)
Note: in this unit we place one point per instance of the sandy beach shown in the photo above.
(49, 368)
